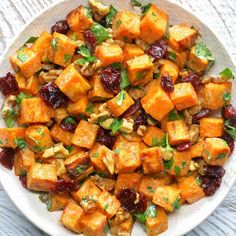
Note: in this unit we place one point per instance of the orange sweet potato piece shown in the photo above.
(79, 107)
(28, 86)
(211, 127)
(58, 201)
(196, 149)
(170, 68)
(9, 135)
(154, 136)
(181, 58)
(131, 51)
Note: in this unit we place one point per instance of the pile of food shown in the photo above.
(112, 118)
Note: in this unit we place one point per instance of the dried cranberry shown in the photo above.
(210, 185)
(111, 79)
(64, 185)
(158, 49)
(23, 180)
(194, 79)
(61, 27)
(7, 156)
(9, 84)
(104, 137)
(140, 120)
(183, 147)
(141, 206)
(213, 171)
(229, 140)
(132, 109)
(52, 95)
(166, 83)
(228, 112)
(90, 40)
(203, 113)
(69, 123)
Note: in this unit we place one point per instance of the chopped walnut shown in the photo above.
(90, 69)
(137, 92)
(188, 117)
(104, 183)
(98, 9)
(193, 165)
(132, 137)
(60, 167)
(9, 106)
(109, 161)
(151, 121)
(107, 123)
(88, 203)
(51, 75)
(194, 110)
(121, 216)
(166, 155)
(194, 133)
(57, 151)
(103, 112)
(127, 126)
(141, 130)
(142, 44)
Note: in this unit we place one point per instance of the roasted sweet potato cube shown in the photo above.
(131, 180)
(153, 24)
(58, 202)
(109, 54)
(182, 36)
(8, 136)
(26, 62)
(42, 47)
(78, 35)
(38, 138)
(154, 136)
(184, 96)
(71, 217)
(157, 102)
(28, 86)
(41, 177)
(181, 58)
(181, 162)
(177, 132)
(60, 114)
(79, 107)
(80, 19)
(196, 149)
(215, 151)
(165, 196)
(126, 26)
(158, 224)
(108, 204)
(140, 70)
(63, 49)
(125, 228)
(24, 159)
(60, 135)
(120, 103)
(151, 160)
(190, 189)
(78, 158)
(211, 127)
(93, 224)
(34, 110)
(213, 94)
(85, 134)
(127, 157)
(131, 51)
(72, 83)
(169, 68)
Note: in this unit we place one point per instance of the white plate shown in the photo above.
(190, 215)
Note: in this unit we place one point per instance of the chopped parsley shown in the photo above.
(70, 120)
(117, 151)
(168, 164)
(172, 55)
(145, 8)
(176, 204)
(227, 97)
(120, 98)
(69, 148)
(231, 130)
(115, 125)
(67, 58)
(221, 156)
(118, 23)
(150, 189)
(31, 39)
(203, 52)
(22, 96)
(177, 170)
(135, 3)
(199, 182)
(174, 115)
(9, 116)
(227, 73)
(22, 56)
(110, 15)
(99, 32)
(54, 44)
(89, 109)
(124, 81)
(95, 155)
(150, 212)
(87, 57)
(106, 206)
(184, 164)
(20, 143)
(208, 154)
(166, 199)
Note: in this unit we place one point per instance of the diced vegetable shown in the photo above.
(211, 127)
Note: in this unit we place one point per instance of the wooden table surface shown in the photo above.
(220, 15)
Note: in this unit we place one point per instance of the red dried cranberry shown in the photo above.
(228, 112)
(90, 40)
(69, 123)
(210, 185)
(111, 79)
(213, 171)
(166, 83)
(158, 49)
(9, 84)
(132, 109)
(229, 140)
(194, 79)
(64, 185)
(23, 180)
(52, 95)
(203, 113)
(141, 206)
(61, 27)
(183, 147)
(104, 138)
(7, 156)
(140, 120)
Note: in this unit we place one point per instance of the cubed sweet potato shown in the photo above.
(109, 54)
(191, 191)
(180, 58)
(211, 127)
(131, 51)
(72, 83)
(77, 35)
(153, 24)
(58, 202)
(184, 96)
(28, 86)
(34, 110)
(85, 134)
(215, 151)
(177, 132)
(140, 70)
(38, 138)
(80, 19)
(79, 158)
(165, 196)
(151, 160)
(154, 136)
(41, 177)
(126, 26)
(169, 68)
(26, 62)
(120, 103)
(60, 114)
(79, 107)
(131, 180)
(196, 149)
(8, 136)
(181, 36)
(60, 135)
(71, 217)
(157, 102)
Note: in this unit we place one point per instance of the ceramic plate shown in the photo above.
(180, 222)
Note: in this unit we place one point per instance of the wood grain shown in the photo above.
(218, 14)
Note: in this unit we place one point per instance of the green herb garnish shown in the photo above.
(135, 3)
(227, 97)
(20, 143)
(124, 81)
(221, 156)
(31, 39)
(67, 58)
(120, 98)
(22, 56)
(89, 109)
(110, 15)
(145, 8)
(54, 44)
(227, 73)
(203, 52)
(177, 170)
(231, 130)
(100, 32)
(22, 96)
(95, 155)
(115, 125)
(150, 189)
